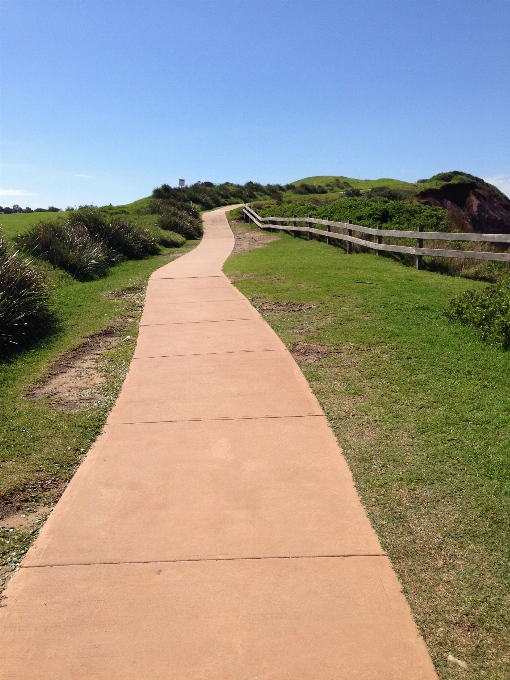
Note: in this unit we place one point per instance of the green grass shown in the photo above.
(421, 408)
(363, 184)
(33, 434)
(17, 223)
(40, 445)
(14, 224)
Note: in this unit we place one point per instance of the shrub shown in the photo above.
(25, 312)
(119, 236)
(369, 212)
(169, 239)
(181, 222)
(350, 193)
(488, 310)
(68, 247)
(387, 192)
(159, 206)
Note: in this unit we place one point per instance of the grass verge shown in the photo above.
(421, 408)
(45, 434)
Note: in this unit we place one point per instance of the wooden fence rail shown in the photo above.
(419, 251)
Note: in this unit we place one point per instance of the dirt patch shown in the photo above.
(313, 352)
(73, 382)
(25, 518)
(241, 277)
(249, 240)
(134, 295)
(42, 492)
(281, 306)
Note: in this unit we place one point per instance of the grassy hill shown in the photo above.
(439, 181)
(331, 182)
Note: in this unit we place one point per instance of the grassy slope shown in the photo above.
(363, 184)
(421, 408)
(14, 224)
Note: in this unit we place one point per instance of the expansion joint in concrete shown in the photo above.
(251, 558)
(201, 354)
(185, 323)
(210, 420)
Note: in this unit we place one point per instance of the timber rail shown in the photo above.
(342, 231)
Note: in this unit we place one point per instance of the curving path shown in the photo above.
(213, 531)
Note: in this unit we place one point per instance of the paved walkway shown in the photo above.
(213, 531)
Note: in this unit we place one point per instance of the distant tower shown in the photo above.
(182, 182)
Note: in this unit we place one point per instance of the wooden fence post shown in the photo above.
(349, 244)
(327, 237)
(379, 240)
(419, 244)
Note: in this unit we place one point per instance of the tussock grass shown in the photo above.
(66, 246)
(169, 239)
(180, 222)
(120, 236)
(25, 311)
(421, 408)
(88, 242)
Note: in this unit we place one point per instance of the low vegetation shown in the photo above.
(68, 324)
(372, 210)
(87, 242)
(421, 408)
(68, 247)
(55, 394)
(25, 311)
(169, 239)
(488, 310)
(121, 238)
(385, 186)
(368, 212)
(209, 195)
(178, 218)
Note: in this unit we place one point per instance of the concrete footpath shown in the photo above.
(213, 530)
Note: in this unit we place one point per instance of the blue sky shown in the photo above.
(102, 100)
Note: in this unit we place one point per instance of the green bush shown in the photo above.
(488, 310)
(369, 212)
(159, 206)
(387, 192)
(119, 236)
(169, 239)
(25, 312)
(180, 222)
(67, 246)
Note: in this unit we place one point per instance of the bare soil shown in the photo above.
(26, 517)
(281, 306)
(312, 352)
(249, 240)
(74, 381)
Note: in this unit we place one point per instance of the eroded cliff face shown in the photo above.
(473, 206)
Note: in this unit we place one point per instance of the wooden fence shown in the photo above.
(342, 231)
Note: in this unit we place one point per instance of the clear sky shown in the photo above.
(102, 100)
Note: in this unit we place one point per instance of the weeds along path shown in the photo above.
(213, 531)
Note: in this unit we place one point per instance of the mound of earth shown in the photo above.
(473, 204)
